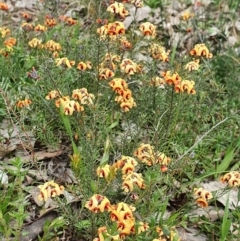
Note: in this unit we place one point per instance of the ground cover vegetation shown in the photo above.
(120, 126)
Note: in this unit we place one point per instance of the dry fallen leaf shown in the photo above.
(209, 212)
(191, 234)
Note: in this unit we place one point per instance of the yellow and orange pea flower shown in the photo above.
(201, 50)
(84, 65)
(124, 95)
(142, 227)
(27, 26)
(69, 106)
(111, 58)
(162, 159)
(118, 84)
(200, 192)
(103, 171)
(158, 82)
(132, 179)
(24, 103)
(192, 65)
(124, 44)
(70, 21)
(170, 78)
(112, 30)
(50, 21)
(109, 61)
(28, 17)
(144, 152)
(148, 29)
(186, 15)
(101, 21)
(105, 73)
(128, 104)
(126, 227)
(121, 211)
(202, 196)
(159, 52)
(128, 66)
(98, 203)
(232, 179)
(49, 189)
(64, 62)
(83, 96)
(4, 31)
(128, 168)
(62, 99)
(35, 43)
(10, 42)
(3, 6)
(53, 94)
(40, 28)
(185, 86)
(120, 163)
(53, 46)
(118, 9)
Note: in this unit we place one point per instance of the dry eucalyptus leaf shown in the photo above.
(60, 171)
(4, 149)
(142, 13)
(14, 138)
(38, 156)
(3, 177)
(191, 234)
(209, 212)
(70, 197)
(39, 175)
(35, 191)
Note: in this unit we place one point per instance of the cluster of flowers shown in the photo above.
(122, 214)
(186, 15)
(108, 66)
(8, 42)
(3, 6)
(49, 189)
(173, 78)
(124, 97)
(202, 196)
(50, 45)
(232, 179)
(116, 29)
(130, 178)
(201, 50)
(24, 103)
(158, 52)
(146, 154)
(118, 9)
(4, 31)
(49, 22)
(80, 97)
(180, 85)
